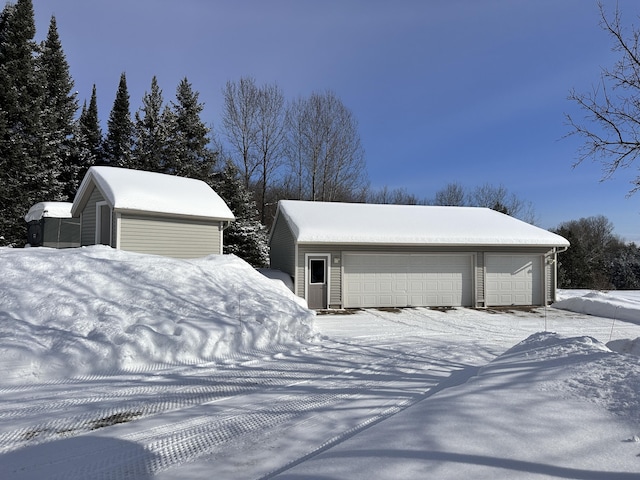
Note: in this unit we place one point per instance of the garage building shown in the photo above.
(354, 255)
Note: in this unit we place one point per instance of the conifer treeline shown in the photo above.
(46, 148)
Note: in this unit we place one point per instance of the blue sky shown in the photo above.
(466, 91)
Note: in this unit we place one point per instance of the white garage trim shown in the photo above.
(406, 279)
(514, 279)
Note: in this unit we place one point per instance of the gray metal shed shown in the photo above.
(50, 224)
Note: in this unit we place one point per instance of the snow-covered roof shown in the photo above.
(359, 223)
(137, 190)
(49, 209)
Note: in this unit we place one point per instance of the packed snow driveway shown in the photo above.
(257, 418)
(231, 419)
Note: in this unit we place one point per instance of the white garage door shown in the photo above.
(401, 280)
(513, 280)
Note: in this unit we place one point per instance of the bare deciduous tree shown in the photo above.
(240, 123)
(324, 150)
(452, 195)
(254, 124)
(393, 196)
(612, 109)
(271, 136)
(499, 199)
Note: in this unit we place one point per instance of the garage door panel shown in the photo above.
(447, 300)
(386, 287)
(416, 280)
(369, 287)
(513, 280)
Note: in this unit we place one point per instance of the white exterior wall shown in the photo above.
(170, 237)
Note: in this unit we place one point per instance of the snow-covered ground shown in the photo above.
(117, 365)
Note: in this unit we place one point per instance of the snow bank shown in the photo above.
(579, 367)
(550, 407)
(97, 310)
(617, 305)
(620, 305)
(280, 277)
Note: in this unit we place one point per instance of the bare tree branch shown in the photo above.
(611, 131)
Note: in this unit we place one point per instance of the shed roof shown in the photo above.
(137, 190)
(49, 210)
(367, 224)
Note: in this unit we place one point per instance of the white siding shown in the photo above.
(170, 237)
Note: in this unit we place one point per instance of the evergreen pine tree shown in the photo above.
(59, 108)
(188, 152)
(624, 266)
(86, 146)
(79, 161)
(246, 237)
(151, 131)
(89, 127)
(21, 139)
(119, 140)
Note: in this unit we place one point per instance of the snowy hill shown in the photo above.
(98, 310)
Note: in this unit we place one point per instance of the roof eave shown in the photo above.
(431, 244)
(173, 215)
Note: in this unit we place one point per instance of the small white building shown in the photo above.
(150, 212)
(344, 255)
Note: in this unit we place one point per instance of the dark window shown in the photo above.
(317, 271)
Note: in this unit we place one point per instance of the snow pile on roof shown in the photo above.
(96, 309)
(359, 223)
(620, 305)
(143, 191)
(49, 209)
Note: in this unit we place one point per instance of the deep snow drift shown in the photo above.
(465, 393)
(550, 407)
(98, 310)
(617, 304)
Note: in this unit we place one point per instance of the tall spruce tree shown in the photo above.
(21, 143)
(80, 160)
(119, 140)
(188, 152)
(59, 108)
(86, 146)
(151, 131)
(89, 127)
(246, 237)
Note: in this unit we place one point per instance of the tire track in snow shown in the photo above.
(296, 389)
(139, 401)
